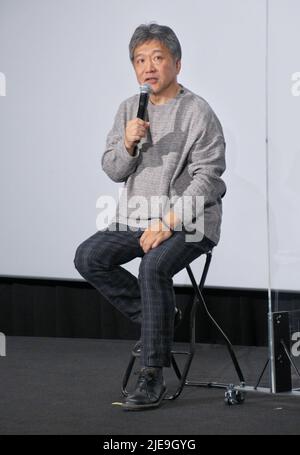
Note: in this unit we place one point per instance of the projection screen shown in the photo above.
(67, 69)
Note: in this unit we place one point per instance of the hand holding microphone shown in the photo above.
(137, 128)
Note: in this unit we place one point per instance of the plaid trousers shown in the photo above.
(148, 300)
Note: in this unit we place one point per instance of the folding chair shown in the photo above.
(233, 394)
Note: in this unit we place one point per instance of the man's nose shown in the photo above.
(149, 65)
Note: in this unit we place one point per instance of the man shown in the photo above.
(177, 153)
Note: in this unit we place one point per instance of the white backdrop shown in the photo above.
(67, 70)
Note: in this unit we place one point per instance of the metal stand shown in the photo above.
(234, 394)
(280, 358)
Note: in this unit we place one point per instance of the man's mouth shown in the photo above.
(151, 80)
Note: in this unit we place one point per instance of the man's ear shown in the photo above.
(178, 66)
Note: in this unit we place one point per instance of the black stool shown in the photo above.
(234, 394)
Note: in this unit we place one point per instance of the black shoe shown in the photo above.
(138, 345)
(149, 391)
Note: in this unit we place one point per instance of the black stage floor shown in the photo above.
(67, 386)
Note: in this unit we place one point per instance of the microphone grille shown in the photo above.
(145, 88)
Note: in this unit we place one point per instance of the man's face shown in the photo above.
(154, 64)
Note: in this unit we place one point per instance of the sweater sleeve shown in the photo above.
(116, 162)
(205, 165)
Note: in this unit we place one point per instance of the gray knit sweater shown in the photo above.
(181, 159)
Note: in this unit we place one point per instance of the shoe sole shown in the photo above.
(142, 407)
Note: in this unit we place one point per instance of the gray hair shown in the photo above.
(154, 31)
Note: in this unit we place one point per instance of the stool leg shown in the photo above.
(199, 296)
(190, 354)
(181, 377)
(127, 375)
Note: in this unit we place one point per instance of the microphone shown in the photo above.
(145, 91)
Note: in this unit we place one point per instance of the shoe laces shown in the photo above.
(145, 376)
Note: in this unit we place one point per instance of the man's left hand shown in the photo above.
(154, 235)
